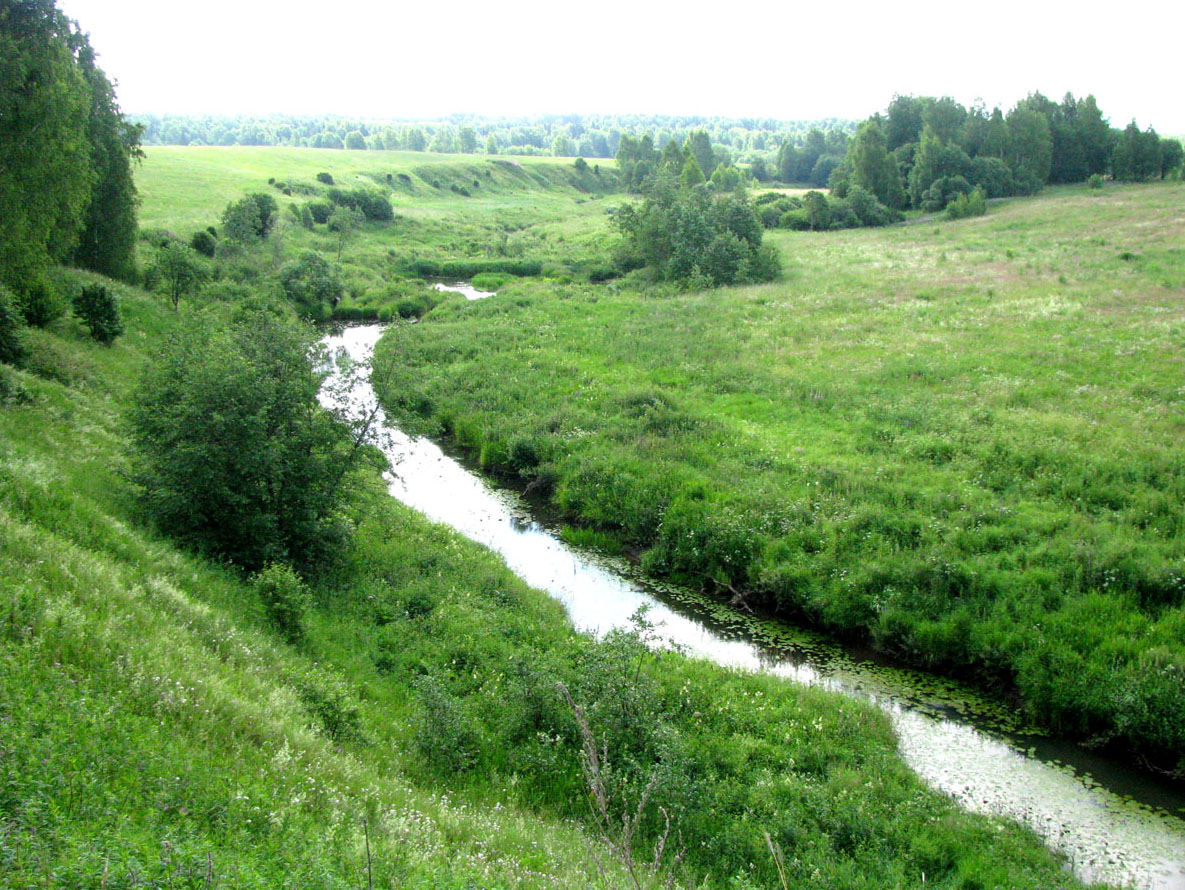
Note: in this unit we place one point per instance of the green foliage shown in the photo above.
(372, 203)
(241, 221)
(204, 243)
(11, 322)
(235, 456)
(107, 242)
(1095, 182)
(688, 234)
(46, 176)
(312, 283)
(942, 192)
(326, 178)
(320, 211)
(180, 269)
(43, 302)
(873, 169)
(250, 218)
(965, 205)
(98, 308)
(285, 598)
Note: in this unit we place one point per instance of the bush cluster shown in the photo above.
(373, 204)
(99, 310)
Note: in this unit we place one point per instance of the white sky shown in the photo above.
(787, 59)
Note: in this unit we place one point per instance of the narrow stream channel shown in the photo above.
(1114, 825)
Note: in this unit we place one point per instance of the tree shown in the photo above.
(241, 221)
(107, 243)
(700, 146)
(691, 174)
(414, 139)
(467, 139)
(234, 455)
(11, 323)
(904, 124)
(1030, 148)
(312, 283)
(343, 222)
(688, 234)
(872, 167)
(355, 141)
(935, 160)
(99, 311)
(45, 154)
(180, 268)
(561, 146)
(1171, 156)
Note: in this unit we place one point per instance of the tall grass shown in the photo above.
(157, 729)
(960, 442)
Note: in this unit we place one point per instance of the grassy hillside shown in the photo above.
(961, 441)
(155, 730)
(515, 207)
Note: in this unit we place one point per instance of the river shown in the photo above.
(1112, 824)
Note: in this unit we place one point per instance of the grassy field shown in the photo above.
(157, 732)
(529, 207)
(960, 441)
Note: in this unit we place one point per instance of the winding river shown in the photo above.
(1113, 825)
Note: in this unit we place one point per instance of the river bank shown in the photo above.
(1106, 836)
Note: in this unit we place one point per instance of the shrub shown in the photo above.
(373, 204)
(99, 310)
(11, 323)
(1095, 181)
(285, 600)
(235, 456)
(331, 701)
(964, 206)
(312, 283)
(325, 178)
(445, 738)
(204, 243)
(320, 211)
(43, 303)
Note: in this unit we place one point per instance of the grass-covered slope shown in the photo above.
(962, 441)
(446, 207)
(154, 731)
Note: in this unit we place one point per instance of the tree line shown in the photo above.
(589, 136)
(925, 152)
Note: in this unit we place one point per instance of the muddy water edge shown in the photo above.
(1112, 823)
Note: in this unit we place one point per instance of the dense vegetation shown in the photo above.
(589, 136)
(66, 156)
(957, 442)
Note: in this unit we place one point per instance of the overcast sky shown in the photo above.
(789, 60)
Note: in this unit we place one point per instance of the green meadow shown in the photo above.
(958, 441)
(536, 208)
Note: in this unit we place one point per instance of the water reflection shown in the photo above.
(465, 289)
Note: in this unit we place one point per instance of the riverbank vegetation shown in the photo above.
(395, 714)
(957, 441)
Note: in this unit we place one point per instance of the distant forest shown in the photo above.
(587, 136)
(929, 140)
